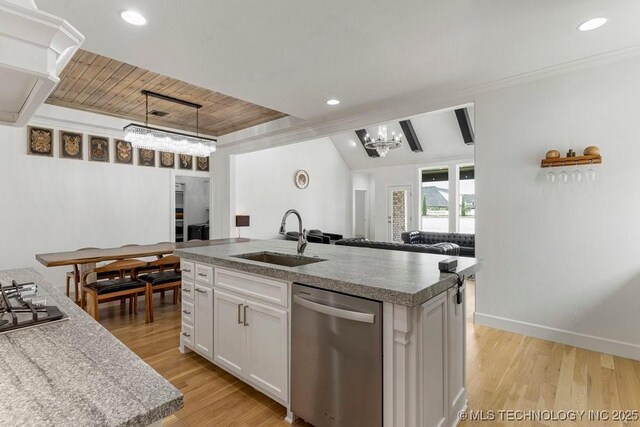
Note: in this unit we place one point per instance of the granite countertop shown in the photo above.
(407, 278)
(74, 372)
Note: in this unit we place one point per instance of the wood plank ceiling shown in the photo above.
(98, 84)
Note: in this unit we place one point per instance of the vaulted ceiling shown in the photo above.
(99, 84)
(438, 132)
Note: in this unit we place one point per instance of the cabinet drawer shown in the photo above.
(187, 335)
(204, 274)
(187, 289)
(257, 287)
(187, 311)
(187, 268)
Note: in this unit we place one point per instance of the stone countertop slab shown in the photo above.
(406, 278)
(74, 372)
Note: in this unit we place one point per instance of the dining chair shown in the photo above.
(168, 277)
(124, 286)
(75, 276)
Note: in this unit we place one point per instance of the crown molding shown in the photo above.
(404, 107)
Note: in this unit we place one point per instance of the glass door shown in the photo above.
(399, 208)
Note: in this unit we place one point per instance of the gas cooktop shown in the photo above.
(22, 306)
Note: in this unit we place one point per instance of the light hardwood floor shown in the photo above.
(504, 371)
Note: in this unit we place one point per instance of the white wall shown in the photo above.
(265, 189)
(561, 264)
(54, 204)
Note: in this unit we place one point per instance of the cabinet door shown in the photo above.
(266, 361)
(203, 320)
(228, 331)
(456, 335)
(434, 362)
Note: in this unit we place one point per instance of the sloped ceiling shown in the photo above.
(438, 132)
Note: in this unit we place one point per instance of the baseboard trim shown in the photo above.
(589, 342)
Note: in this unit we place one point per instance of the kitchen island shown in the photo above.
(74, 372)
(238, 313)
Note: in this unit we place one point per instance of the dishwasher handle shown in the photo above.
(334, 311)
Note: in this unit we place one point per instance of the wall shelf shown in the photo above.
(571, 161)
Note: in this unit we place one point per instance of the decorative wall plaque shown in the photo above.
(98, 148)
(146, 157)
(70, 145)
(301, 179)
(185, 161)
(202, 164)
(40, 141)
(124, 152)
(167, 160)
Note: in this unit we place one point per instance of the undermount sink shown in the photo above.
(279, 259)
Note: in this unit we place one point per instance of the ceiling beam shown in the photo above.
(362, 133)
(410, 134)
(465, 126)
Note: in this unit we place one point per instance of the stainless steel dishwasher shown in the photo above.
(336, 358)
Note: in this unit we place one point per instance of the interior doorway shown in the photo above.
(398, 211)
(192, 207)
(361, 213)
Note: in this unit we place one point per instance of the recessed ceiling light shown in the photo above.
(592, 24)
(333, 102)
(133, 17)
(353, 143)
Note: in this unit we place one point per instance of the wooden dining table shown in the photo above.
(90, 256)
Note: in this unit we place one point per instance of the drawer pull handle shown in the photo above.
(202, 275)
(201, 291)
(186, 312)
(245, 315)
(239, 311)
(186, 290)
(186, 270)
(186, 334)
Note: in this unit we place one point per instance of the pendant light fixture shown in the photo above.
(383, 143)
(145, 136)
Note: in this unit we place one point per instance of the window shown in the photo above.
(434, 200)
(442, 213)
(467, 200)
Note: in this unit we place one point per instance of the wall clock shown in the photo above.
(301, 179)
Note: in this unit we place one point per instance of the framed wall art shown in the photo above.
(167, 160)
(98, 148)
(202, 164)
(185, 161)
(39, 141)
(146, 157)
(71, 145)
(124, 152)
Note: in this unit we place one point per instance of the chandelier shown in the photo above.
(383, 143)
(145, 136)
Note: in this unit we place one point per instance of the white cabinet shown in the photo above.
(203, 325)
(443, 358)
(188, 269)
(266, 356)
(251, 340)
(197, 308)
(228, 331)
(456, 314)
(434, 362)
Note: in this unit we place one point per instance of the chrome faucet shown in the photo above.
(302, 234)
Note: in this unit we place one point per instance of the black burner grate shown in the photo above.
(18, 310)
